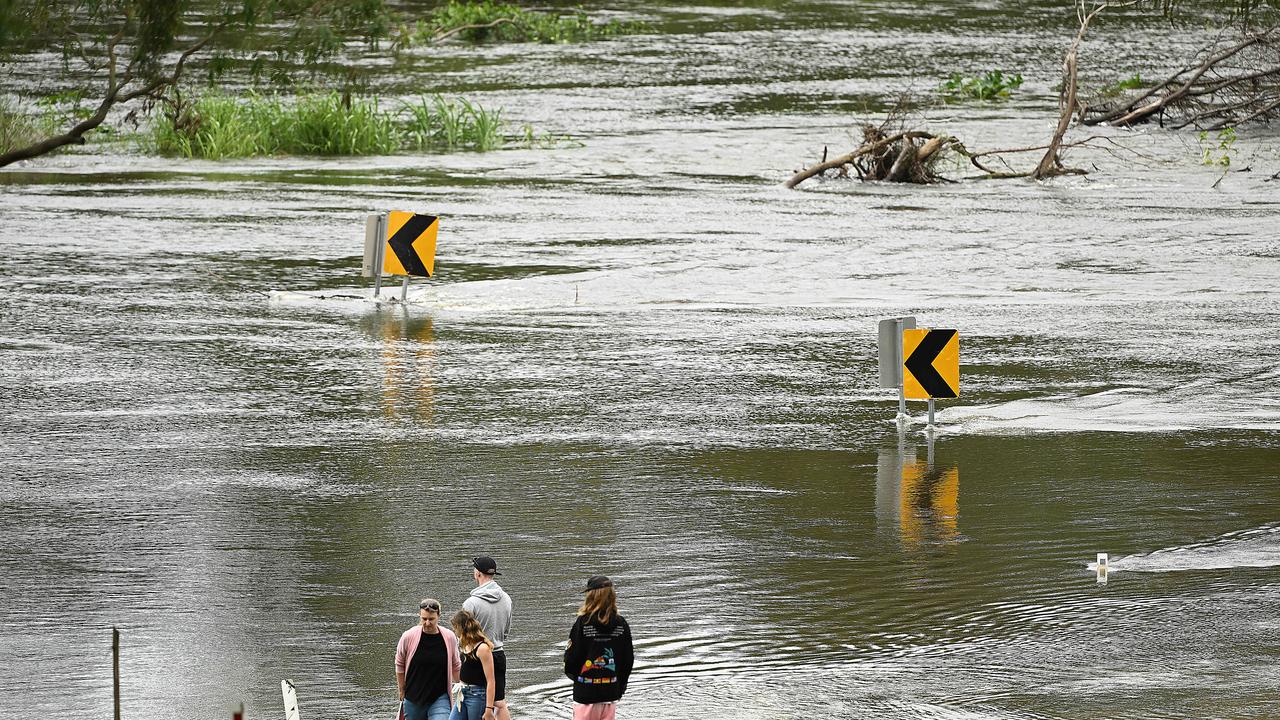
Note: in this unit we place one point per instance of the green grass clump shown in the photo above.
(17, 129)
(53, 114)
(435, 123)
(504, 22)
(330, 125)
(1121, 86)
(994, 85)
(217, 127)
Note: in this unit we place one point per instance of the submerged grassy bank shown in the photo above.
(486, 20)
(218, 126)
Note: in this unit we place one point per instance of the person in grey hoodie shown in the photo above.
(492, 607)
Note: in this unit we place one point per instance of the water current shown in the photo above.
(642, 356)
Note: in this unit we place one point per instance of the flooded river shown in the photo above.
(642, 356)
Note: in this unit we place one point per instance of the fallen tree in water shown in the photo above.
(917, 156)
(906, 156)
(915, 163)
(1228, 84)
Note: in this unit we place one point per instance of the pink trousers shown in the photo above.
(596, 711)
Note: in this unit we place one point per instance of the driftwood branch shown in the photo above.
(1068, 102)
(850, 157)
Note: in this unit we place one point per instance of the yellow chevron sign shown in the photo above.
(931, 365)
(410, 244)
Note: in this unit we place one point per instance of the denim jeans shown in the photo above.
(472, 707)
(438, 710)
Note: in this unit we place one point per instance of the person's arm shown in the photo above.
(485, 653)
(401, 666)
(455, 667)
(573, 656)
(626, 657)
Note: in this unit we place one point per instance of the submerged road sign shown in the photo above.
(411, 244)
(931, 368)
(400, 243)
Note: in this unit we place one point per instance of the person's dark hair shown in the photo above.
(600, 605)
(470, 634)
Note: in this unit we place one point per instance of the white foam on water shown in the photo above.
(1256, 547)
(1132, 409)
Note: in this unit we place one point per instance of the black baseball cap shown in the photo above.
(595, 582)
(486, 565)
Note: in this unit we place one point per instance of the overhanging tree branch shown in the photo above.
(145, 32)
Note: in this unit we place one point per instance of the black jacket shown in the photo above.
(599, 659)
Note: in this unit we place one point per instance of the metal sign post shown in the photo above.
(890, 343)
(902, 393)
(375, 229)
(404, 289)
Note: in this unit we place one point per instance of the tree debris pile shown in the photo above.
(1230, 83)
(906, 157)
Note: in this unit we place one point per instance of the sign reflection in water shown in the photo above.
(408, 363)
(918, 500)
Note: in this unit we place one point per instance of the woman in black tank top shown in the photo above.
(477, 669)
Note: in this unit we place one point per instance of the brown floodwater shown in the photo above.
(642, 356)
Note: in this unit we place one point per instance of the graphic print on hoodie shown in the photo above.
(604, 662)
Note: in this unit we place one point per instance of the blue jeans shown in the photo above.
(472, 707)
(437, 710)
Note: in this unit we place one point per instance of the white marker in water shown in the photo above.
(290, 694)
(1102, 567)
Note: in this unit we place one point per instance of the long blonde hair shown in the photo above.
(600, 606)
(470, 634)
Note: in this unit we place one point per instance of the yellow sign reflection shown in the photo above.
(408, 364)
(919, 501)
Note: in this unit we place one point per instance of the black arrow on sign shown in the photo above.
(921, 363)
(402, 244)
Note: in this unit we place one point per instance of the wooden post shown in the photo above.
(115, 667)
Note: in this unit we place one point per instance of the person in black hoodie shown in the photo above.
(600, 654)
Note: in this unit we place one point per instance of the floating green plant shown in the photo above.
(994, 85)
(1121, 86)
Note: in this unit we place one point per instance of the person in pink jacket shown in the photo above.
(427, 665)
